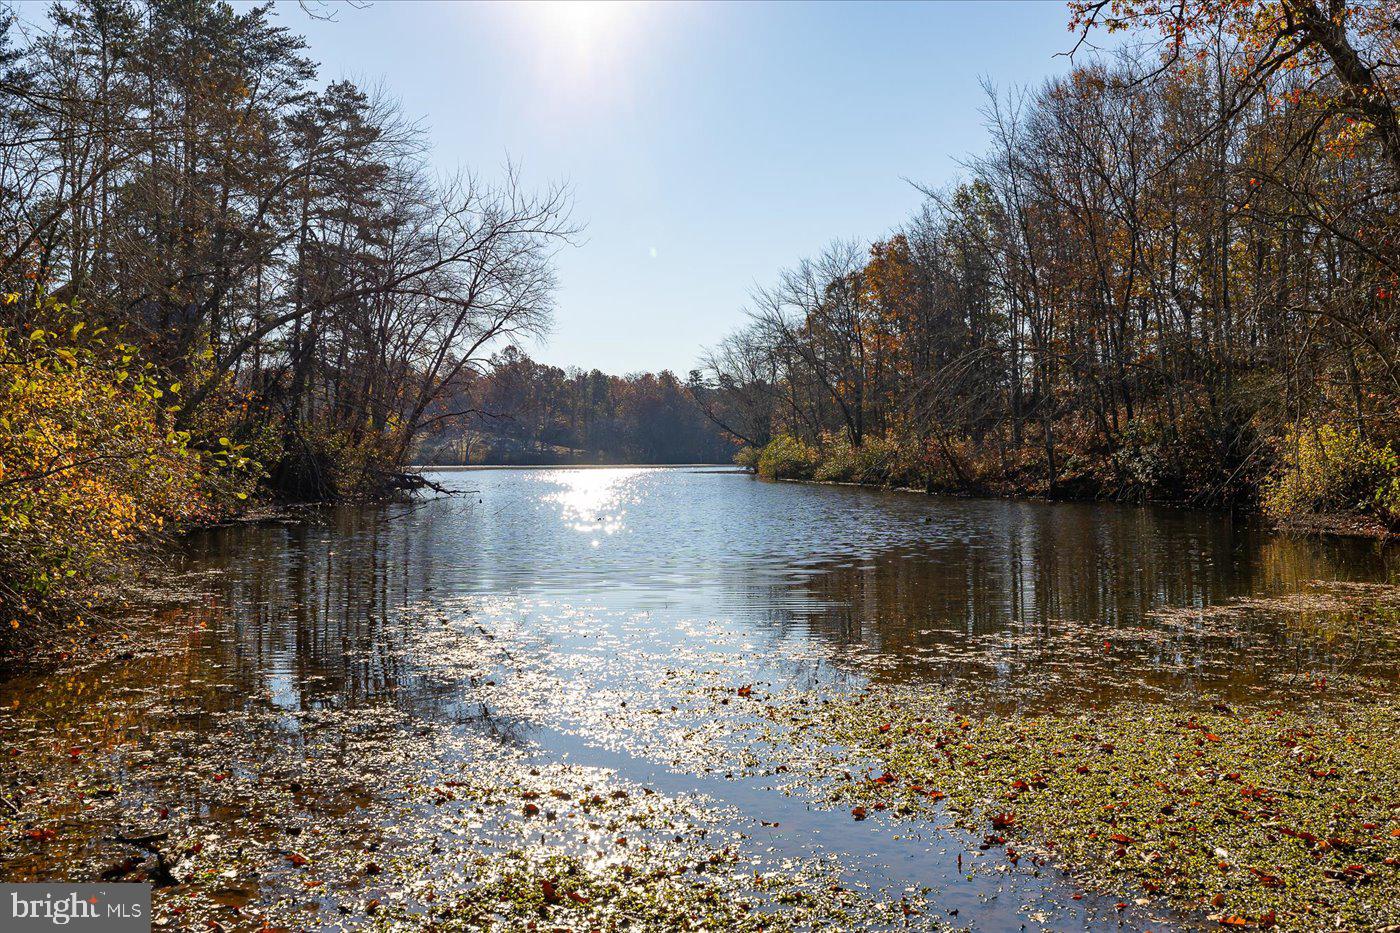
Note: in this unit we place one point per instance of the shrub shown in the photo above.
(747, 457)
(787, 457)
(1144, 459)
(878, 461)
(838, 461)
(882, 461)
(1202, 457)
(91, 464)
(1334, 469)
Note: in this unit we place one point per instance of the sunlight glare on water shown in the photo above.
(594, 500)
(605, 618)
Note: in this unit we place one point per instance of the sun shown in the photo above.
(584, 50)
(583, 23)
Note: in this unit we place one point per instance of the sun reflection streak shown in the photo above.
(594, 501)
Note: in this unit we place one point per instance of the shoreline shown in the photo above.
(1328, 526)
(47, 642)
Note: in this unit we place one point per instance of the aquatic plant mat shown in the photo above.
(1266, 818)
(511, 764)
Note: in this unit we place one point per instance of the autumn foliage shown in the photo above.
(1173, 271)
(92, 467)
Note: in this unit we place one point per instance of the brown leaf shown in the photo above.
(1266, 879)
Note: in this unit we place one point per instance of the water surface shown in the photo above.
(595, 616)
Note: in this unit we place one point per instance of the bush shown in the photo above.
(838, 461)
(1334, 469)
(883, 461)
(787, 457)
(1203, 457)
(91, 465)
(878, 461)
(747, 457)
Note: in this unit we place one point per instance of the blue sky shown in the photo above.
(707, 145)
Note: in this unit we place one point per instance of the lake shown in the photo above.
(335, 681)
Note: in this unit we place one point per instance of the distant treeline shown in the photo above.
(1174, 275)
(524, 412)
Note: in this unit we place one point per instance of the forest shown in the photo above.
(1171, 277)
(224, 280)
(530, 413)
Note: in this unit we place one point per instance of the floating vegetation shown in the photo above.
(246, 810)
(1263, 818)
(344, 735)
